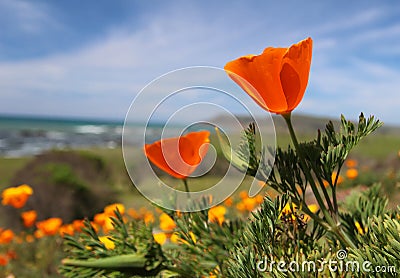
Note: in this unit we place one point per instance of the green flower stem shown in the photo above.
(309, 178)
(334, 227)
(186, 187)
(115, 262)
(335, 205)
(326, 195)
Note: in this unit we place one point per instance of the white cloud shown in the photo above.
(26, 17)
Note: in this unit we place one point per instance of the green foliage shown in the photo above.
(275, 235)
(135, 252)
(284, 230)
(204, 244)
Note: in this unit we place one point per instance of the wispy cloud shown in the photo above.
(27, 17)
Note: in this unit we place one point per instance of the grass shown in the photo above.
(8, 168)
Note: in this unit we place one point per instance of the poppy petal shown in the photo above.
(179, 156)
(298, 56)
(263, 73)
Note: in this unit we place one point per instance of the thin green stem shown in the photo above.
(303, 164)
(333, 225)
(326, 195)
(186, 187)
(335, 205)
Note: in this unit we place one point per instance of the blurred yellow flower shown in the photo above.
(160, 238)
(16, 196)
(352, 173)
(29, 218)
(313, 208)
(360, 230)
(166, 222)
(217, 214)
(108, 243)
(49, 226)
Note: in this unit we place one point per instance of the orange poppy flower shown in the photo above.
(110, 209)
(6, 236)
(179, 156)
(67, 229)
(217, 214)
(16, 196)
(351, 173)
(166, 222)
(50, 226)
(29, 218)
(78, 225)
(275, 79)
(3, 260)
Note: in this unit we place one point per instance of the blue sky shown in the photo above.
(90, 58)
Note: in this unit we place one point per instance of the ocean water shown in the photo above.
(26, 136)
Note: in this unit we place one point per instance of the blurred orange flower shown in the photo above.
(228, 202)
(78, 225)
(110, 209)
(49, 226)
(333, 179)
(247, 204)
(67, 229)
(275, 79)
(352, 173)
(351, 163)
(100, 218)
(29, 217)
(3, 260)
(16, 196)
(166, 222)
(6, 236)
(217, 214)
(179, 156)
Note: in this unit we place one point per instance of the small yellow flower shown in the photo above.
(108, 243)
(160, 238)
(313, 208)
(360, 230)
